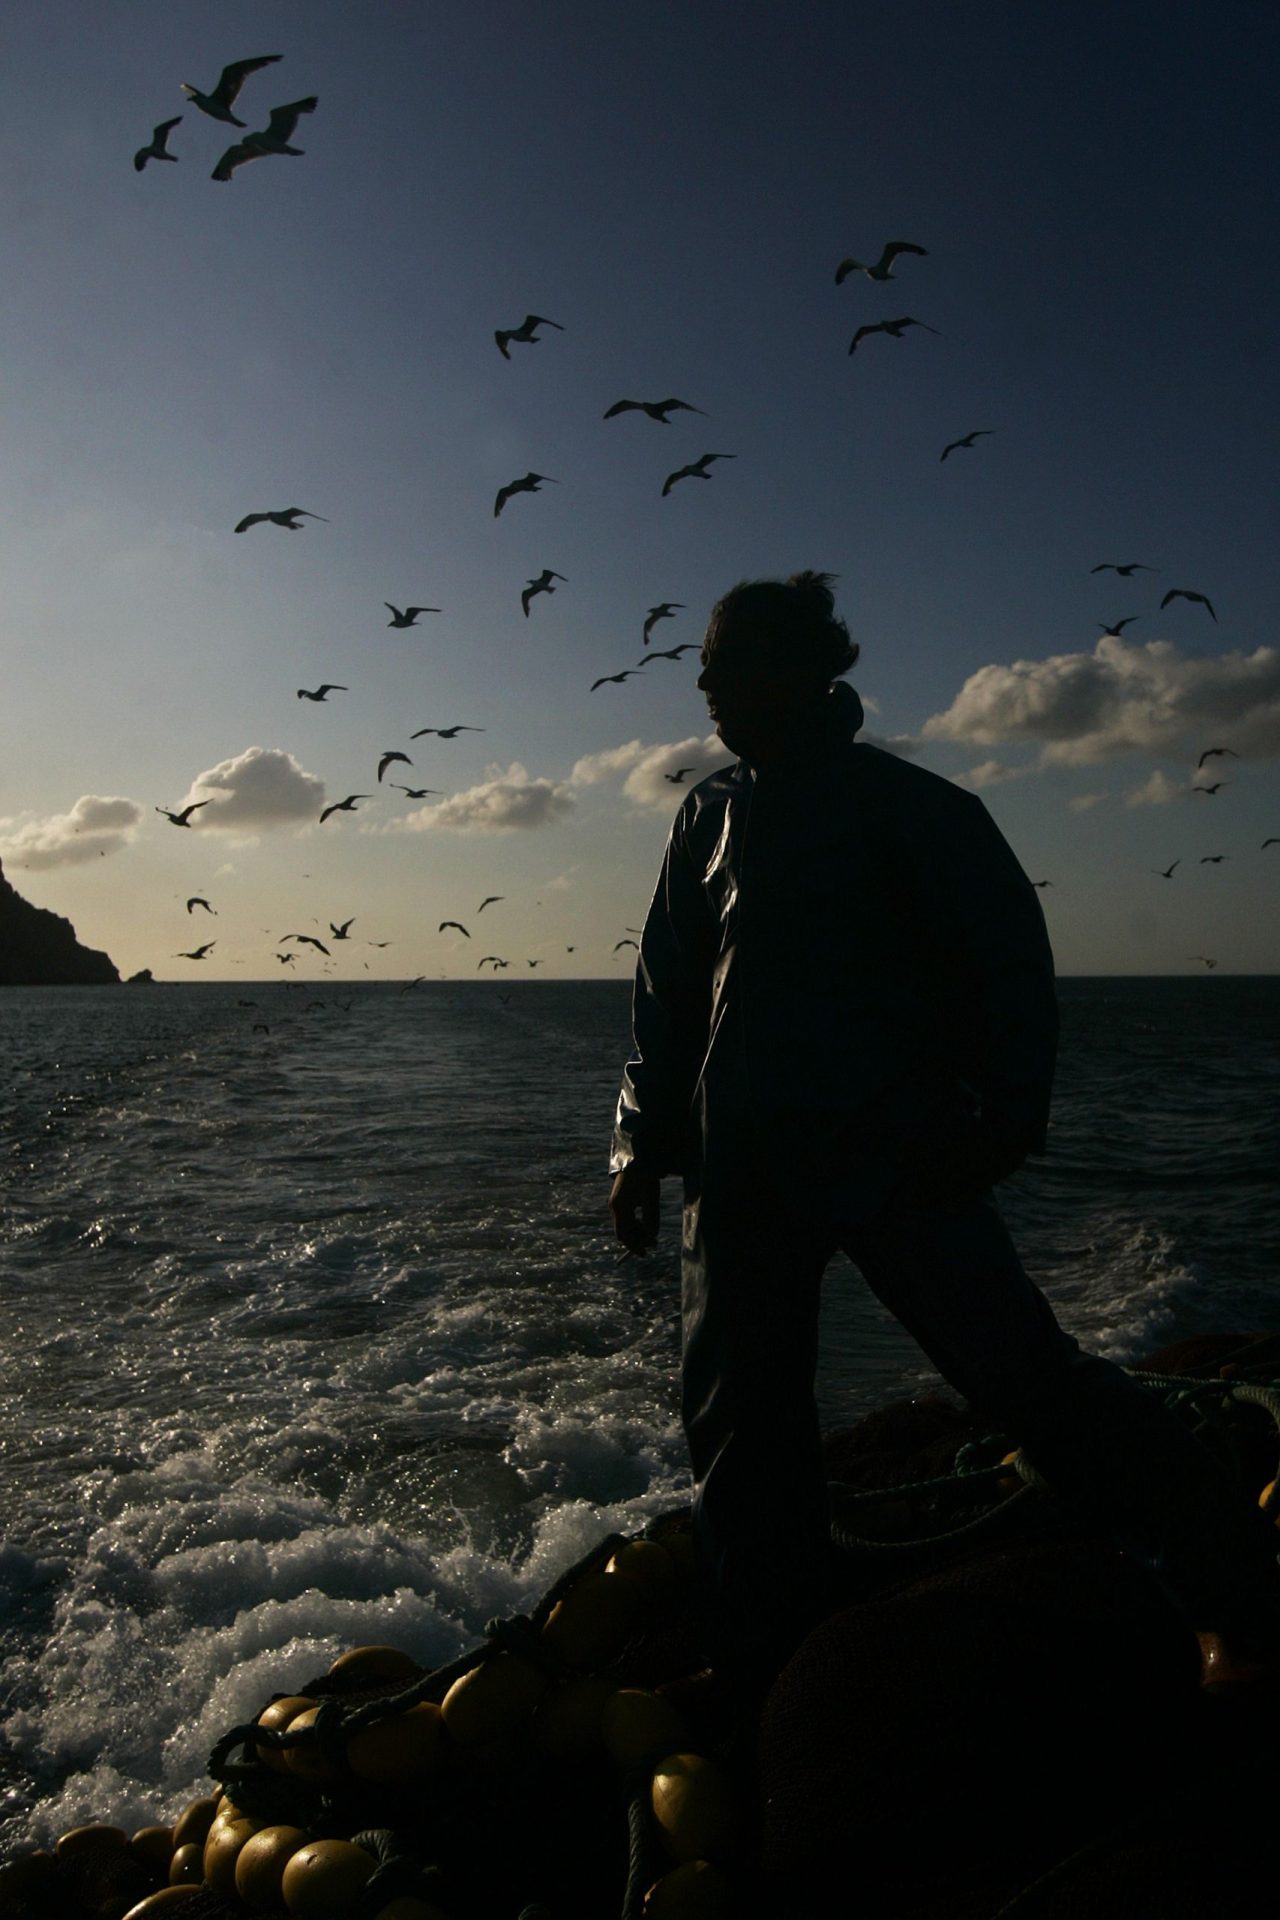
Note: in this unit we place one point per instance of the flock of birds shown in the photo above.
(274, 140)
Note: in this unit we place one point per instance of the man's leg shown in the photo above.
(751, 1287)
(1105, 1444)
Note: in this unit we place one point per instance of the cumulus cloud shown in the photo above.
(1083, 708)
(594, 767)
(97, 824)
(991, 773)
(261, 787)
(505, 800)
(1083, 802)
(1155, 792)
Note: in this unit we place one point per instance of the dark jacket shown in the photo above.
(838, 952)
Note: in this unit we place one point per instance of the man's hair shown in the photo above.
(796, 615)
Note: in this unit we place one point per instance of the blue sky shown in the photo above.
(675, 185)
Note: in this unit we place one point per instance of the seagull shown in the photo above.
(415, 982)
(157, 150)
(386, 761)
(882, 268)
(524, 332)
(197, 953)
(1187, 593)
(533, 963)
(420, 793)
(198, 900)
(1042, 883)
(1209, 753)
(607, 677)
(182, 819)
(453, 923)
(530, 484)
(325, 687)
(286, 517)
(1201, 956)
(446, 733)
(1165, 873)
(1212, 859)
(656, 409)
(1115, 628)
(1272, 841)
(541, 585)
(625, 943)
(409, 616)
(219, 102)
(1214, 787)
(344, 806)
(967, 441)
(309, 939)
(667, 653)
(344, 931)
(273, 138)
(1123, 567)
(894, 327)
(663, 610)
(677, 778)
(491, 956)
(698, 471)
(490, 900)
(286, 959)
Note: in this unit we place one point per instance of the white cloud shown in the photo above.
(647, 784)
(1082, 708)
(1155, 792)
(503, 801)
(261, 787)
(1082, 802)
(990, 773)
(598, 766)
(903, 744)
(95, 825)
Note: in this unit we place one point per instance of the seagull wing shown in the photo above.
(681, 473)
(251, 520)
(283, 120)
(894, 248)
(453, 923)
(541, 320)
(873, 326)
(234, 157)
(847, 267)
(232, 78)
(623, 406)
(682, 406)
(504, 494)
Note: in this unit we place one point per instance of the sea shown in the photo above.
(313, 1331)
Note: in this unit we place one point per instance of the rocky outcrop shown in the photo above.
(40, 949)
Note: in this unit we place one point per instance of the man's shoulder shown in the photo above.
(899, 780)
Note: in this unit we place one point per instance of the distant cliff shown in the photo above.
(40, 949)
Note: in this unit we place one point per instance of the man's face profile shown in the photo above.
(755, 695)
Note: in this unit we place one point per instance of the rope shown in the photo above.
(639, 1855)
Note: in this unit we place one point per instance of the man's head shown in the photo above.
(771, 651)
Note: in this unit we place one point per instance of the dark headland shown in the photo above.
(40, 949)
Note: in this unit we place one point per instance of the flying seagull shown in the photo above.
(1212, 859)
(1123, 567)
(197, 953)
(525, 332)
(307, 939)
(533, 963)
(218, 103)
(530, 484)
(182, 819)
(490, 956)
(344, 931)
(1214, 787)
(1165, 873)
(656, 409)
(344, 806)
(386, 761)
(274, 138)
(698, 470)
(1117, 627)
(624, 943)
(419, 793)
(967, 441)
(893, 327)
(198, 900)
(663, 611)
(490, 900)
(286, 959)
(157, 150)
(453, 923)
(882, 270)
(611, 677)
(1187, 593)
(284, 517)
(677, 778)
(408, 616)
(1209, 753)
(446, 733)
(667, 653)
(1042, 883)
(541, 585)
(1201, 956)
(325, 687)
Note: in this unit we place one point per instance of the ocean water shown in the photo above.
(318, 1335)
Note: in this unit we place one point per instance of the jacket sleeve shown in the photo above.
(670, 1012)
(990, 931)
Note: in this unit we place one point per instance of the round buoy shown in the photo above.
(1266, 1495)
(396, 1752)
(493, 1700)
(375, 1667)
(160, 1903)
(693, 1805)
(567, 1726)
(309, 1759)
(261, 1863)
(186, 1869)
(593, 1621)
(192, 1825)
(222, 1850)
(638, 1727)
(82, 1840)
(694, 1891)
(1010, 1482)
(323, 1878)
(648, 1563)
(277, 1717)
(153, 1846)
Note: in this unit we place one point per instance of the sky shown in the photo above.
(675, 185)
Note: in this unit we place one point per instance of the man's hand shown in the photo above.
(633, 1202)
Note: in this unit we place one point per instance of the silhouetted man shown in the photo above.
(845, 1029)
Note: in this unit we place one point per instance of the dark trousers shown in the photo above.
(752, 1275)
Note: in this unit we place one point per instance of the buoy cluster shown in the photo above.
(383, 1792)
